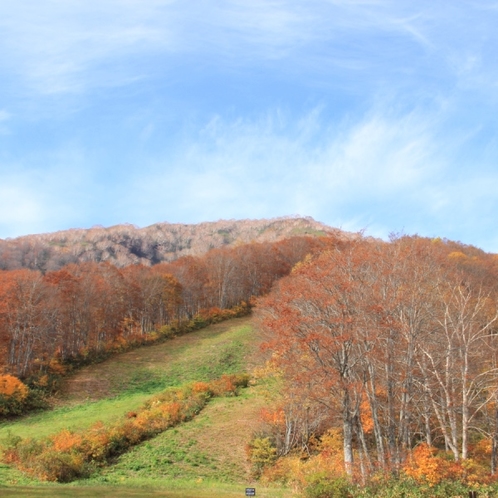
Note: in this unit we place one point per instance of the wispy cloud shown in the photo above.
(384, 172)
(305, 166)
(64, 46)
(60, 46)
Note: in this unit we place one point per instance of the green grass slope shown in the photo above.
(204, 457)
(121, 384)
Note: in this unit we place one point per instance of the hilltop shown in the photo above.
(127, 244)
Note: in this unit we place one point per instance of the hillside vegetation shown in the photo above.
(51, 321)
(203, 457)
(124, 245)
(388, 352)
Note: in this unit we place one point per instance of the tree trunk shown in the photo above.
(347, 421)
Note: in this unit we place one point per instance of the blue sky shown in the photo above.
(364, 114)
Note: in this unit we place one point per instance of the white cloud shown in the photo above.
(18, 205)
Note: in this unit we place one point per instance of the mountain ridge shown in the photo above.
(126, 244)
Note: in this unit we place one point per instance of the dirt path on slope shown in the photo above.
(234, 424)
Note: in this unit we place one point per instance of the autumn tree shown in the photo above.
(223, 277)
(191, 274)
(311, 319)
(25, 320)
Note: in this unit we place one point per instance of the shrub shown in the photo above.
(324, 485)
(60, 466)
(428, 465)
(66, 441)
(13, 395)
(167, 331)
(262, 454)
(202, 387)
(21, 452)
(227, 385)
(198, 322)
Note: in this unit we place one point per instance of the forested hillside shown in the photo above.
(123, 245)
(85, 309)
(389, 357)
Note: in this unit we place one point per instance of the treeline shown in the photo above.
(48, 319)
(389, 354)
